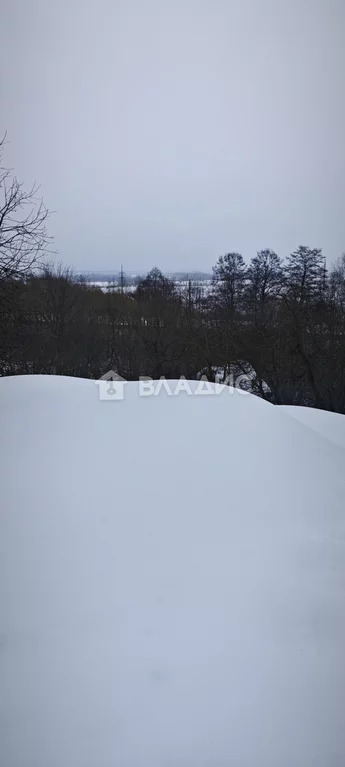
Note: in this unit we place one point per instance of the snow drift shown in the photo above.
(172, 580)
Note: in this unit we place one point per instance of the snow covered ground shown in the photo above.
(172, 580)
(329, 425)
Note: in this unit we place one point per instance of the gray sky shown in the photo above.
(169, 132)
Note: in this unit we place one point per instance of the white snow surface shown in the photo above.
(329, 425)
(172, 580)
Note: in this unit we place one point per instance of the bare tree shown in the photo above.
(23, 233)
(306, 274)
(229, 276)
(155, 286)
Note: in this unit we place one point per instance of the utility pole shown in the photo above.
(111, 286)
(122, 282)
(189, 294)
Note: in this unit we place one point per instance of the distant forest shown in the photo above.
(285, 322)
(281, 321)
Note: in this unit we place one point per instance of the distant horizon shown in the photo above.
(193, 270)
(134, 272)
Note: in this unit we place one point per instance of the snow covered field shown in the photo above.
(172, 580)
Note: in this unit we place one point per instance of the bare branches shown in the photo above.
(24, 240)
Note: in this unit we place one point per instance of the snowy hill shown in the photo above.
(329, 425)
(172, 580)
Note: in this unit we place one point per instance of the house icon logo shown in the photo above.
(111, 386)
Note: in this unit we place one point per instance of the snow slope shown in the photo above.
(329, 425)
(171, 581)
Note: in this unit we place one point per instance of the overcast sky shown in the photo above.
(169, 132)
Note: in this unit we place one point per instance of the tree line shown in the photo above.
(283, 323)
(280, 322)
